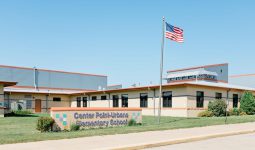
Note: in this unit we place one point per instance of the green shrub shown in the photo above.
(217, 107)
(19, 113)
(22, 112)
(45, 124)
(205, 113)
(247, 103)
(234, 112)
(74, 127)
(132, 122)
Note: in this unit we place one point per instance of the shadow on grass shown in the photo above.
(20, 115)
(182, 119)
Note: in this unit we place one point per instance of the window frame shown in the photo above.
(218, 95)
(200, 99)
(124, 100)
(235, 96)
(143, 100)
(167, 100)
(84, 101)
(105, 97)
(56, 98)
(78, 102)
(93, 98)
(115, 100)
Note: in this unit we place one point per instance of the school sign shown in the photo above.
(94, 117)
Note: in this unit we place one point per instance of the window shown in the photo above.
(103, 97)
(124, 100)
(167, 99)
(84, 101)
(56, 99)
(200, 99)
(218, 95)
(29, 104)
(78, 100)
(115, 101)
(235, 100)
(143, 100)
(94, 98)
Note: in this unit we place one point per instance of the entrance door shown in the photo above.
(38, 105)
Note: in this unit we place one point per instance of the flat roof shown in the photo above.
(241, 75)
(197, 67)
(43, 90)
(191, 83)
(27, 68)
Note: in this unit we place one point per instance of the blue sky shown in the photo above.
(122, 38)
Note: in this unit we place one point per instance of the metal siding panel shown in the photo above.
(43, 78)
(65, 80)
(25, 77)
(248, 81)
(221, 75)
(22, 76)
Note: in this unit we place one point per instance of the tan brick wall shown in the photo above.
(1, 100)
(65, 100)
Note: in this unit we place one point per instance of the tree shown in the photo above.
(247, 103)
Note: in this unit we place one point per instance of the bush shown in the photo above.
(234, 112)
(19, 113)
(247, 103)
(132, 122)
(45, 124)
(74, 127)
(22, 112)
(217, 107)
(205, 113)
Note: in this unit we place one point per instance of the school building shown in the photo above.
(186, 93)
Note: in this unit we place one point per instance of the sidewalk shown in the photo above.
(136, 140)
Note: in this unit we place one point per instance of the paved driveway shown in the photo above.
(237, 142)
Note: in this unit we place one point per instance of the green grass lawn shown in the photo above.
(22, 129)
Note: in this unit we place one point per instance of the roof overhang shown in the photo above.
(8, 83)
(42, 90)
(178, 84)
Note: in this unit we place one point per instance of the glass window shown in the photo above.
(103, 97)
(56, 99)
(235, 100)
(84, 101)
(94, 98)
(29, 104)
(218, 95)
(200, 99)
(115, 100)
(78, 100)
(167, 99)
(143, 100)
(124, 100)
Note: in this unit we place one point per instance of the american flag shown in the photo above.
(174, 33)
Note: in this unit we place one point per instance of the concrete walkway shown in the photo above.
(136, 140)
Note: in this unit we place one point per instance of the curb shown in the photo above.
(185, 140)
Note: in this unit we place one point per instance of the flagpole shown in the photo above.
(161, 69)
